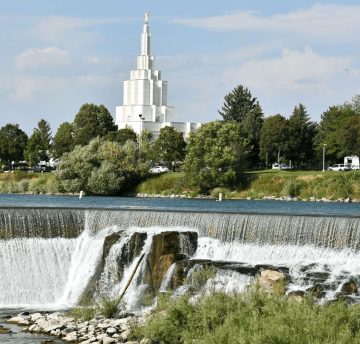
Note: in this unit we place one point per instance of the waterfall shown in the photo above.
(41, 222)
(51, 257)
(326, 231)
(51, 273)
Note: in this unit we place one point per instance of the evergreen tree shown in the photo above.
(39, 143)
(240, 106)
(301, 133)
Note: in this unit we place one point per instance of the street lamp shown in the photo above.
(324, 145)
(141, 119)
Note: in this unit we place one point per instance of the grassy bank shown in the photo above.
(254, 185)
(252, 318)
(23, 182)
(260, 184)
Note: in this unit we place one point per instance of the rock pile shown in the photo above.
(97, 331)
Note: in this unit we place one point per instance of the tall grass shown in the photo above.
(23, 182)
(164, 184)
(255, 317)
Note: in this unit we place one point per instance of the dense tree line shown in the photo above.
(92, 150)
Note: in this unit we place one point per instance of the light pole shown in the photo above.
(141, 119)
(324, 145)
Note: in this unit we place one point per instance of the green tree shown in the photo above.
(331, 128)
(240, 106)
(92, 121)
(215, 155)
(301, 132)
(13, 142)
(39, 143)
(273, 138)
(122, 135)
(170, 145)
(146, 145)
(101, 168)
(63, 140)
(350, 138)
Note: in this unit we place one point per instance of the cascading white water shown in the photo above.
(47, 272)
(339, 265)
(40, 268)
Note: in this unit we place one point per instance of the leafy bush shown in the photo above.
(254, 317)
(109, 307)
(101, 168)
(292, 188)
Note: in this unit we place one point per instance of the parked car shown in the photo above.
(158, 169)
(275, 166)
(340, 167)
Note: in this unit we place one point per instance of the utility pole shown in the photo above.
(324, 145)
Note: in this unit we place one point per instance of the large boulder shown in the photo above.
(349, 288)
(272, 281)
(166, 249)
(130, 251)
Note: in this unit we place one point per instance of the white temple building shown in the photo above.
(145, 96)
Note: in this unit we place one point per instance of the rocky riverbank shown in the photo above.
(97, 330)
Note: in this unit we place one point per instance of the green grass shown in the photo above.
(164, 184)
(259, 184)
(23, 182)
(251, 318)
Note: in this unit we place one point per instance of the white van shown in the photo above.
(353, 161)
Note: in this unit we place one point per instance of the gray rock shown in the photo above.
(111, 331)
(108, 340)
(70, 337)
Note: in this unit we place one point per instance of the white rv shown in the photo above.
(353, 161)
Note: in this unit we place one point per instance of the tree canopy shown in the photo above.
(63, 140)
(39, 143)
(301, 134)
(241, 107)
(215, 155)
(273, 138)
(170, 146)
(13, 142)
(92, 121)
(101, 168)
(122, 135)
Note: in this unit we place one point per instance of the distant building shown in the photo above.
(145, 96)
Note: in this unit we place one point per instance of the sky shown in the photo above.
(56, 55)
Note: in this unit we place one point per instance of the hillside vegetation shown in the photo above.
(255, 317)
(268, 183)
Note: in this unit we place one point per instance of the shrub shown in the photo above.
(292, 188)
(255, 317)
(109, 307)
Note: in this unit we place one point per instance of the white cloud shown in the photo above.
(331, 22)
(296, 70)
(33, 58)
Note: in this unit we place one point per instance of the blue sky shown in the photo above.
(58, 54)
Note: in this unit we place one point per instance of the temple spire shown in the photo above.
(145, 36)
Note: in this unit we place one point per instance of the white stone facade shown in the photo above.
(145, 96)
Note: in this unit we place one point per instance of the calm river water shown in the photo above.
(235, 206)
